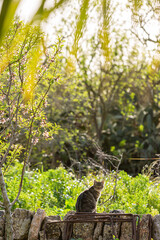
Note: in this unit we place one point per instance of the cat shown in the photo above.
(87, 200)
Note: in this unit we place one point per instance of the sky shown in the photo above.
(27, 8)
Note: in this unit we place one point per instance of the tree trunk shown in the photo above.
(7, 206)
(8, 224)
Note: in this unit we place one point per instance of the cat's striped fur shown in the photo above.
(87, 200)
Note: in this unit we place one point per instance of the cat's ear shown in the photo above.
(95, 182)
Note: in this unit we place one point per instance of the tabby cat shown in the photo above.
(87, 200)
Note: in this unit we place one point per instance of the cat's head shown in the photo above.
(98, 185)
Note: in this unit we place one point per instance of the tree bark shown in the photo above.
(7, 206)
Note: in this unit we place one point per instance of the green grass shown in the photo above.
(56, 191)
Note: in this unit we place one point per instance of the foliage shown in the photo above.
(113, 100)
(56, 191)
(116, 105)
(8, 13)
(22, 116)
(105, 10)
(24, 68)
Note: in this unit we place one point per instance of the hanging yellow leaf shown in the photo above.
(104, 33)
(31, 73)
(105, 41)
(136, 4)
(80, 25)
(7, 13)
(70, 66)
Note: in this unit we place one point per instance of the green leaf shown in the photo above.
(141, 128)
(8, 10)
(80, 24)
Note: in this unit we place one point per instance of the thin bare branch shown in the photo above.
(22, 175)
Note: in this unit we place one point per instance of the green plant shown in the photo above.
(56, 191)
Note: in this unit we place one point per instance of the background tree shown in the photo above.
(113, 103)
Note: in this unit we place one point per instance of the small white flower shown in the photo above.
(2, 97)
(46, 134)
(43, 123)
(35, 141)
(3, 120)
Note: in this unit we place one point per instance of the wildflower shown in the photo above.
(46, 134)
(2, 121)
(35, 141)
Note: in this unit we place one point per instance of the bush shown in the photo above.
(56, 191)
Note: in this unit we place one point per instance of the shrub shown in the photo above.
(56, 191)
